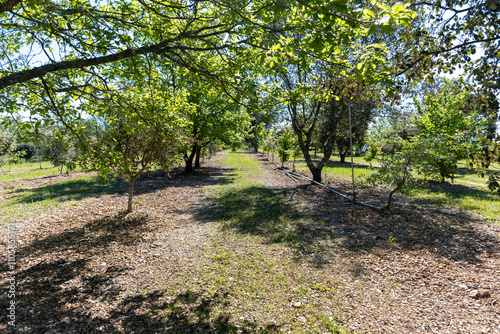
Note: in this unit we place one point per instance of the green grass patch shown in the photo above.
(462, 194)
(22, 203)
(249, 207)
(467, 198)
(30, 173)
(24, 166)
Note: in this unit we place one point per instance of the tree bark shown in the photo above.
(197, 159)
(342, 157)
(189, 159)
(130, 195)
(8, 5)
(316, 173)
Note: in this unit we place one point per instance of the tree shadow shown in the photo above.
(66, 190)
(338, 164)
(327, 225)
(48, 303)
(79, 189)
(462, 171)
(65, 293)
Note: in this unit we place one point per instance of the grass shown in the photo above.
(28, 170)
(249, 277)
(25, 166)
(470, 198)
(251, 262)
(22, 203)
(464, 197)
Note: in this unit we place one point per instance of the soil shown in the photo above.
(92, 268)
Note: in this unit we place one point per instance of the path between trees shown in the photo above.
(235, 249)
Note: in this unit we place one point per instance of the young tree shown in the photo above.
(395, 173)
(449, 128)
(59, 151)
(286, 142)
(371, 153)
(144, 129)
(296, 152)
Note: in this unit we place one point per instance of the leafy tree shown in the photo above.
(450, 129)
(286, 143)
(371, 153)
(395, 173)
(27, 149)
(327, 116)
(213, 117)
(451, 35)
(404, 170)
(296, 152)
(363, 105)
(144, 130)
(268, 142)
(7, 148)
(59, 151)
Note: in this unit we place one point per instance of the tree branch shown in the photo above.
(159, 48)
(8, 5)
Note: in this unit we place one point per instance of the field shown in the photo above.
(239, 247)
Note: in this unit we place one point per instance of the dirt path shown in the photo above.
(268, 256)
(92, 269)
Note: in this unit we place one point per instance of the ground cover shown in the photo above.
(468, 193)
(241, 248)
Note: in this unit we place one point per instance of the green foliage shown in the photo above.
(6, 147)
(268, 142)
(395, 172)
(211, 117)
(286, 143)
(59, 152)
(449, 130)
(296, 153)
(371, 153)
(144, 129)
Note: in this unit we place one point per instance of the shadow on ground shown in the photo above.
(326, 225)
(79, 189)
(65, 290)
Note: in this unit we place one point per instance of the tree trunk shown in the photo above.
(197, 159)
(39, 159)
(342, 157)
(130, 195)
(255, 144)
(316, 173)
(189, 159)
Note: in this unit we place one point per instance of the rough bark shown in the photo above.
(197, 159)
(316, 173)
(8, 5)
(189, 159)
(130, 195)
